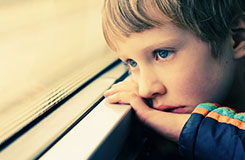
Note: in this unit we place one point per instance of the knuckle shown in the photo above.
(133, 98)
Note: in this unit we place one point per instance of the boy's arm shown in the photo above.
(168, 124)
(213, 133)
(209, 133)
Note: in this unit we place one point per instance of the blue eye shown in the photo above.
(163, 54)
(132, 63)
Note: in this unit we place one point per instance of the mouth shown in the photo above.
(172, 109)
(167, 108)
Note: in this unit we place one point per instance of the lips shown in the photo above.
(173, 109)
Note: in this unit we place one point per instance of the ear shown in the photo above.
(238, 35)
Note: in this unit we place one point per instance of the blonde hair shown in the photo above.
(210, 20)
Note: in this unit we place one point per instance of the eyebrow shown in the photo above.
(170, 43)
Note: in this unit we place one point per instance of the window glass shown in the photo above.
(48, 48)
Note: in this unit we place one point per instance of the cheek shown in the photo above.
(192, 88)
(195, 88)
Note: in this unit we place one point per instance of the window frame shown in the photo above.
(41, 137)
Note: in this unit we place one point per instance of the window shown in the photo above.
(48, 49)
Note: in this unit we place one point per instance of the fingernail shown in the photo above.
(106, 94)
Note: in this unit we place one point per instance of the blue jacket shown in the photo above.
(213, 133)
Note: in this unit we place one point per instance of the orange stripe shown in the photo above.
(202, 111)
(226, 119)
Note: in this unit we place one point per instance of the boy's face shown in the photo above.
(175, 69)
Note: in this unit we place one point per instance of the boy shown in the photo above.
(183, 54)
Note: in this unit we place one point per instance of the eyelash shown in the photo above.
(164, 55)
(156, 53)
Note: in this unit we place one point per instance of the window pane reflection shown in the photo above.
(47, 49)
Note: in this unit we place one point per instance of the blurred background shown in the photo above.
(48, 48)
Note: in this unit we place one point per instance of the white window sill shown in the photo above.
(82, 141)
(99, 135)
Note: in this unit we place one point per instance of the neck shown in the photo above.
(236, 98)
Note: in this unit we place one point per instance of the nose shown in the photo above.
(150, 85)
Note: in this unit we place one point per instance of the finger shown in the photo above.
(112, 99)
(142, 110)
(121, 86)
(107, 93)
(121, 97)
(113, 91)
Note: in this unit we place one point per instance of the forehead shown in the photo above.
(166, 35)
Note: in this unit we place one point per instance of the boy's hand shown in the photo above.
(122, 92)
(168, 124)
